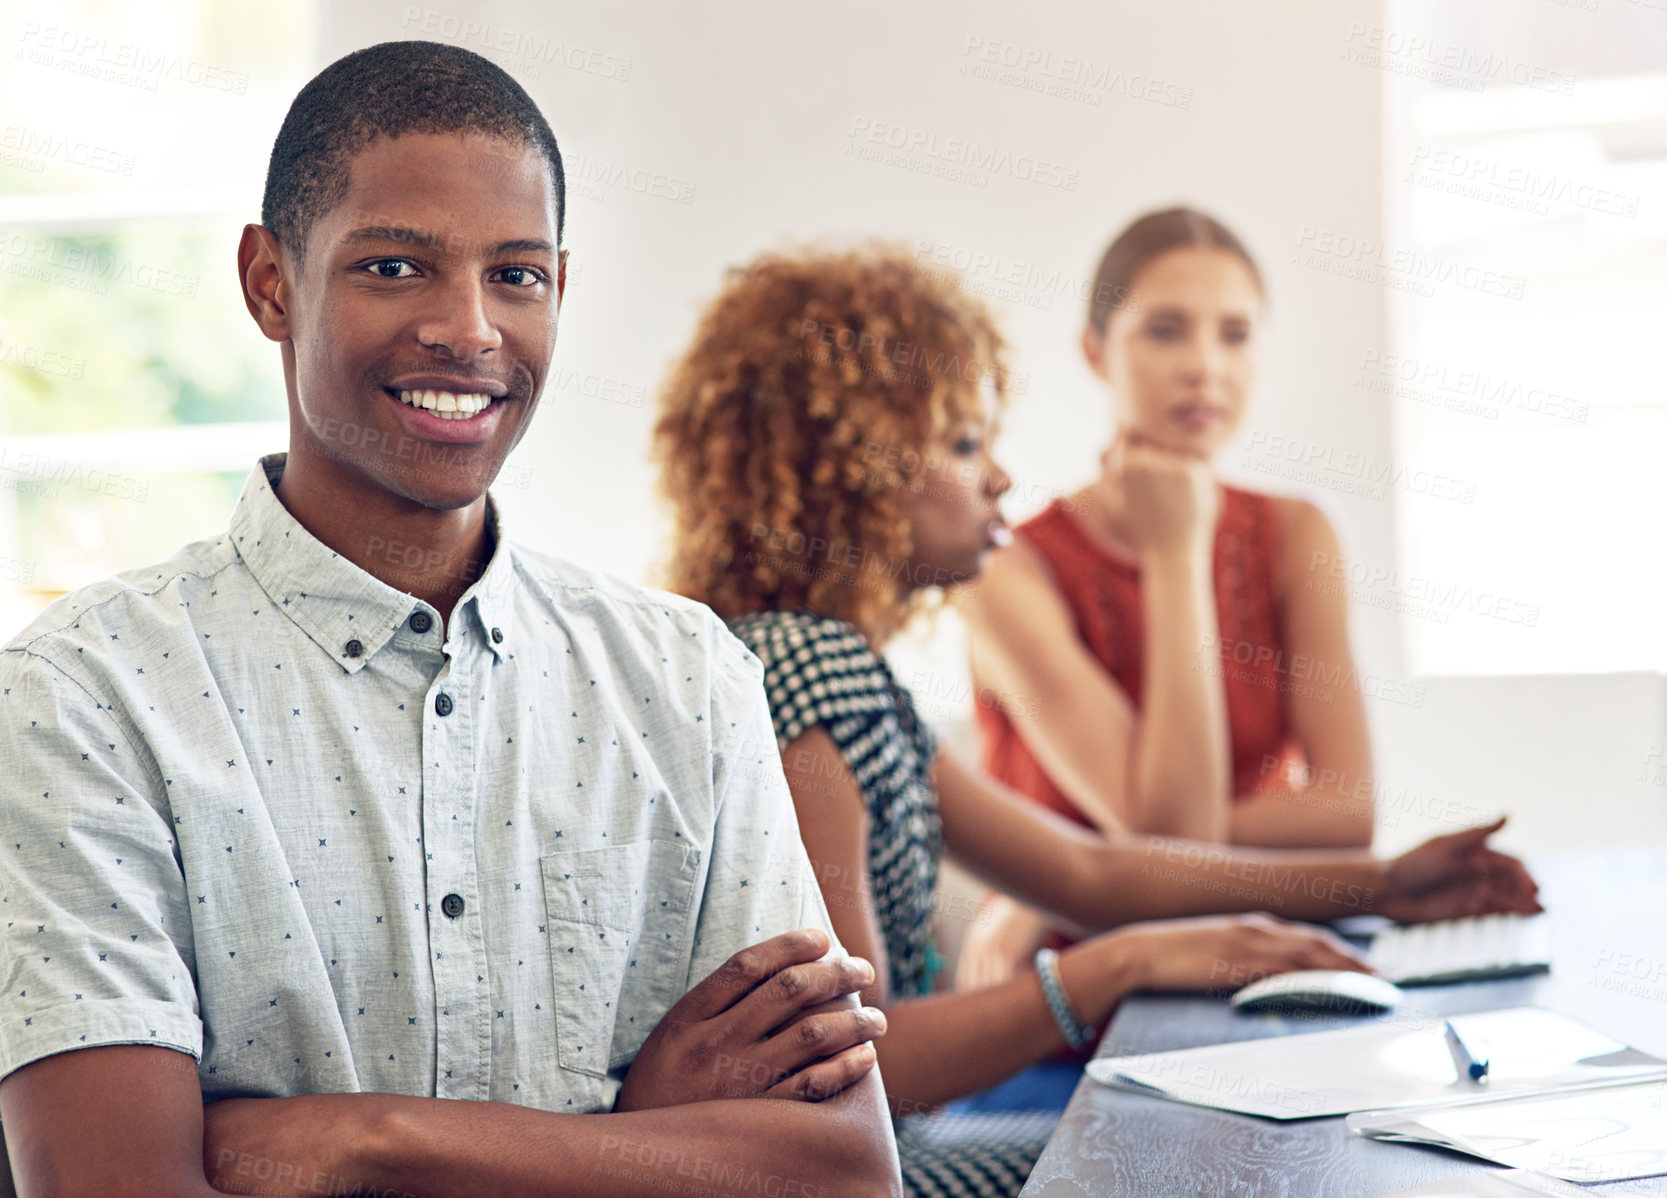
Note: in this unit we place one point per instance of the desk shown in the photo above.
(1609, 967)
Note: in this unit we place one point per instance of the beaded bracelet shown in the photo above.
(1047, 969)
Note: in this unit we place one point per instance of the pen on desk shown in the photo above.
(1468, 1066)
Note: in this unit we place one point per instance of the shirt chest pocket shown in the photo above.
(618, 925)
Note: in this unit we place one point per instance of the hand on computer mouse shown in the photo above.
(1229, 951)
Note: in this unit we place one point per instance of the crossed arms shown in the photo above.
(756, 1081)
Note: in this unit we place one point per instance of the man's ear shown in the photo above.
(561, 276)
(266, 288)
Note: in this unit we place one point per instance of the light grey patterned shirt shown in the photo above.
(256, 805)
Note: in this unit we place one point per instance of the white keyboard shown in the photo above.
(1462, 950)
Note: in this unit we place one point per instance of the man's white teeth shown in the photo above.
(444, 404)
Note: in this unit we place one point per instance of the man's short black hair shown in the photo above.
(385, 91)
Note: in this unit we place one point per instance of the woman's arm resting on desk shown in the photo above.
(1097, 882)
(1326, 708)
(940, 1046)
(1124, 770)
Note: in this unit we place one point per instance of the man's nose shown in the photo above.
(459, 321)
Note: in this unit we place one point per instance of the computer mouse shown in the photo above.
(1334, 991)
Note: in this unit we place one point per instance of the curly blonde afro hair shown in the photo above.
(790, 429)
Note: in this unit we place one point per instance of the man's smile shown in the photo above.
(456, 405)
(443, 415)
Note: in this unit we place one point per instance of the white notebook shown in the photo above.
(1393, 1062)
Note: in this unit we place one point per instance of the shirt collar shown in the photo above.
(347, 611)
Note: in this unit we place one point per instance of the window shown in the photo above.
(135, 393)
(1527, 204)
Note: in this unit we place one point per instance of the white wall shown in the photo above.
(747, 110)
(754, 106)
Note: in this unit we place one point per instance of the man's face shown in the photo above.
(437, 273)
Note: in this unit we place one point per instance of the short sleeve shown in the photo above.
(818, 672)
(760, 882)
(95, 944)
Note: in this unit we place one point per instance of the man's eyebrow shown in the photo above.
(433, 241)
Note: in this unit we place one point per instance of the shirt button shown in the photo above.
(497, 636)
(442, 703)
(421, 621)
(452, 905)
(353, 648)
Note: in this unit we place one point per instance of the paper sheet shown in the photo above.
(1607, 1133)
(1383, 1064)
(1512, 1183)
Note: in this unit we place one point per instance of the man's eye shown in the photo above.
(1164, 332)
(521, 276)
(967, 445)
(388, 268)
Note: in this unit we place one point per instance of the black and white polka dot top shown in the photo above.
(822, 672)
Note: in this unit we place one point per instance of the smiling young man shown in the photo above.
(388, 838)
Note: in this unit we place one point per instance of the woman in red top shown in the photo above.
(1183, 664)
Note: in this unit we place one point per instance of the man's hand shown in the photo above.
(1455, 876)
(773, 1021)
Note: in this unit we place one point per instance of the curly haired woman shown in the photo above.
(824, 447)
